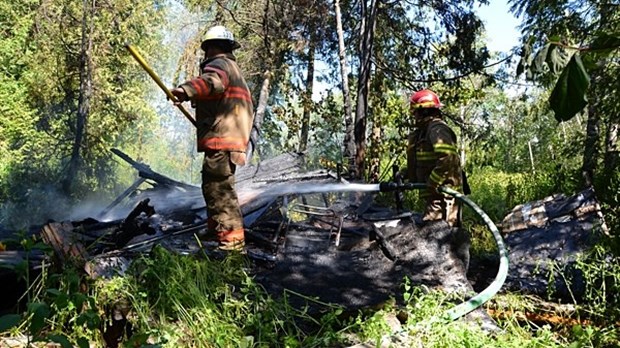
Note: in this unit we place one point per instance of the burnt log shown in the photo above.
(135, 224)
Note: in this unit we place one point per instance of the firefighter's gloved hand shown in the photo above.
(399, 176)
(180, 94)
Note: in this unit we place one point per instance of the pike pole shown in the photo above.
(155, 78)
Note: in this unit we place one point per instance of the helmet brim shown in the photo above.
(426, 105)
(233, 44)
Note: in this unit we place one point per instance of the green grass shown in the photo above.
(173, 300)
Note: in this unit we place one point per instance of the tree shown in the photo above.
(367, 32)
(349, 144)
(76, 79)
(414, 55)
(85, 92)
(571, 52)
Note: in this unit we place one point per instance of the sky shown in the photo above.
(500, 24)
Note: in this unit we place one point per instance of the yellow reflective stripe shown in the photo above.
(448, 152)
(435, 177)
(426, 156)
(446, 148)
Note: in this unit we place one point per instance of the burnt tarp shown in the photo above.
(371, 263)
(546, 237)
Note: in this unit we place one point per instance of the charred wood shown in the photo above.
(135, 224)
(146, 172)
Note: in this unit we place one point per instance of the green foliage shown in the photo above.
(497, 192)
(608, 192)
(424, 328)
(600, 271)
(201, 302)
(327, 131)
(591, 30)
(42, 88)
(57, 304)
(9, 321)
(569, 94)
(173, 300)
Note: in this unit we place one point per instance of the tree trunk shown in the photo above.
(462, 139)
(590, 152)
(85, 93)
(369, 14)
(379, 102)
(612, 148)
(376, 136)
(349, 142)
(307, 99)
(259, 116)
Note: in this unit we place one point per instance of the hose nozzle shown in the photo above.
(390, 186)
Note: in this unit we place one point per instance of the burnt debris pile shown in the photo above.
(339, 247)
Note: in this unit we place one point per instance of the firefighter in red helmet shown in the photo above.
(432, 157)
(224, 116)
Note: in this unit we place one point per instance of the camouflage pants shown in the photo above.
(218, 188)
(441, 207)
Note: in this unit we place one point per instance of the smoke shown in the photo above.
(161, 199)
(36, 206)
(90, 207)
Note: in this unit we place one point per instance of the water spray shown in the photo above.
(308, 188)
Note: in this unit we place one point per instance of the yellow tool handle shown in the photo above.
(161, 85)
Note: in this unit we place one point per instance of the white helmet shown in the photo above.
(219, 33)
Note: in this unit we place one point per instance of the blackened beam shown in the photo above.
(144, 171)
(122, 196)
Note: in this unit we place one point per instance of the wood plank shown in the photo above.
(60, 236)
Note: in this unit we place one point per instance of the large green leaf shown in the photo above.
(569, 94)
(605, 43)
(60, 339)
(9, 321)
(40, 311)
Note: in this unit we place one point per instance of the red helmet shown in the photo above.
(425, 99)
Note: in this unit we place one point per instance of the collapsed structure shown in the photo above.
(308, 234)
(341, 247)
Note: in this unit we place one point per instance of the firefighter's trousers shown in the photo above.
(218, 188)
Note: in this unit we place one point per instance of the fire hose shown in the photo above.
(157, 80)
(490, 291)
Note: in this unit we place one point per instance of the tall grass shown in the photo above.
(174, 300)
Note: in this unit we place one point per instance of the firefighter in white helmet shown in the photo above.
(224, 116)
